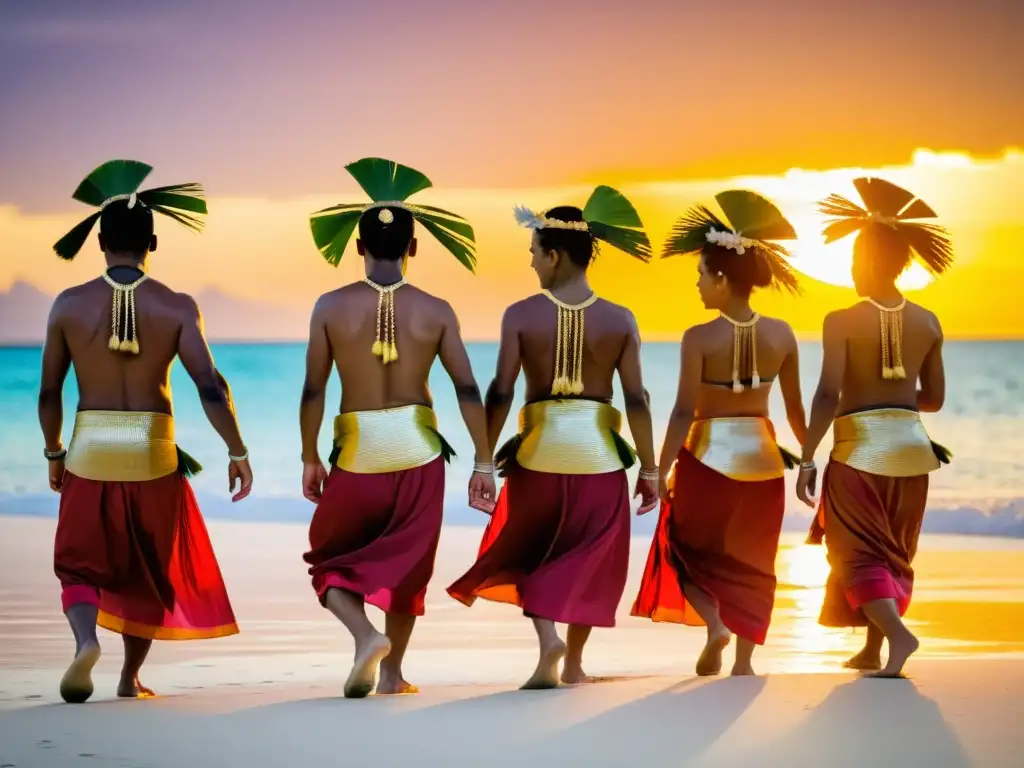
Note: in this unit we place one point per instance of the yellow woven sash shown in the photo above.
(739, 447)
(389, 440)
(569, 437)
(122, 446)
(889, 441)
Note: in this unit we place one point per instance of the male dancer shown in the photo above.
(131, 551)
(374, 534)
(558, 543)
(876, 483)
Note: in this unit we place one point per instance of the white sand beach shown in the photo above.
(271, 696)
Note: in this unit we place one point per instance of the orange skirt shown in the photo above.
(721, 535)
(871, 525)
(141, 553)
(376, 535)
(557, 546)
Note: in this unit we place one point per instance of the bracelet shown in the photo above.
(650, 474)
(243, 457)
(55, 455)
(807, 466)
(483, 467)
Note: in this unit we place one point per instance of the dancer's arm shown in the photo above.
(213, 389)
(638, 414)
(789, 382)
(932, 394)
(690, 370)
(500, 393)
(638, 407)
(455, 359)
(825, 403)
(311, 407)
(56, 363)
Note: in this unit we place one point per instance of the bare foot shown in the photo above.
(742, 670)
(865, 661)
(76, 685)
(710, 661)
(574, 675)
(133, 689)
(364, 669)
(546, 674)
(899, 651)
(392, 685)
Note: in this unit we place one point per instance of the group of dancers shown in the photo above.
(132, 553)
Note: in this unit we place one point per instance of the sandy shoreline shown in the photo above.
(270, 696)
(951, 714)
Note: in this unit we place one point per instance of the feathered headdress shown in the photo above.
(607, 216)
(120, 180)
(754, 223)
(887, 205)
(390, 184)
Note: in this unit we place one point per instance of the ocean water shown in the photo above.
(981, 492)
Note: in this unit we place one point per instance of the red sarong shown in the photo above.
(376, 535)
(871, 526)
(557, 546)
(721, 535)
(140, 551)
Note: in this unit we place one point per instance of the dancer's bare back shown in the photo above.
(344, 328)
(168, 325)
(710, 346)
(530, 335)
(853, 354)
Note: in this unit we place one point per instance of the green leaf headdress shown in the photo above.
(390, 184)
(120, 180)
(753, 224)
(607, 216)
(887, 205)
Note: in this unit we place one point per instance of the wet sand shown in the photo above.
(271, 695)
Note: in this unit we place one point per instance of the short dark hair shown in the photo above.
(386, 241)
(579, 246)
(126, 230)
(745, 271)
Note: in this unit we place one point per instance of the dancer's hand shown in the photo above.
(239, 472)
(313, 478)
(648, 490)
(56, 475)
(806, 485)
(482, 494)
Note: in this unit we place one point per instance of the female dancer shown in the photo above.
(712, 560)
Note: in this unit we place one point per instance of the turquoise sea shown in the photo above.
(982, 491)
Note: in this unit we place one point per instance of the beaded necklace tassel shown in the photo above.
(385, 346)
(124, 336)
(569, 331)
(890, 321)
(744, 349)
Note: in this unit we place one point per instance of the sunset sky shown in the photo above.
(518, 102)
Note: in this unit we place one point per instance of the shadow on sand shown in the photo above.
(623, 725)
(890, 719)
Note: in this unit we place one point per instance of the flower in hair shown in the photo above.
(731, 240)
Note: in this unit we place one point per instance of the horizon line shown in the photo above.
(226, 341)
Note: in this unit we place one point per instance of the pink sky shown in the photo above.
(272, 99)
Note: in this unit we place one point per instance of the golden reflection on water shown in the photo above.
(965, 603)
(807, 646)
